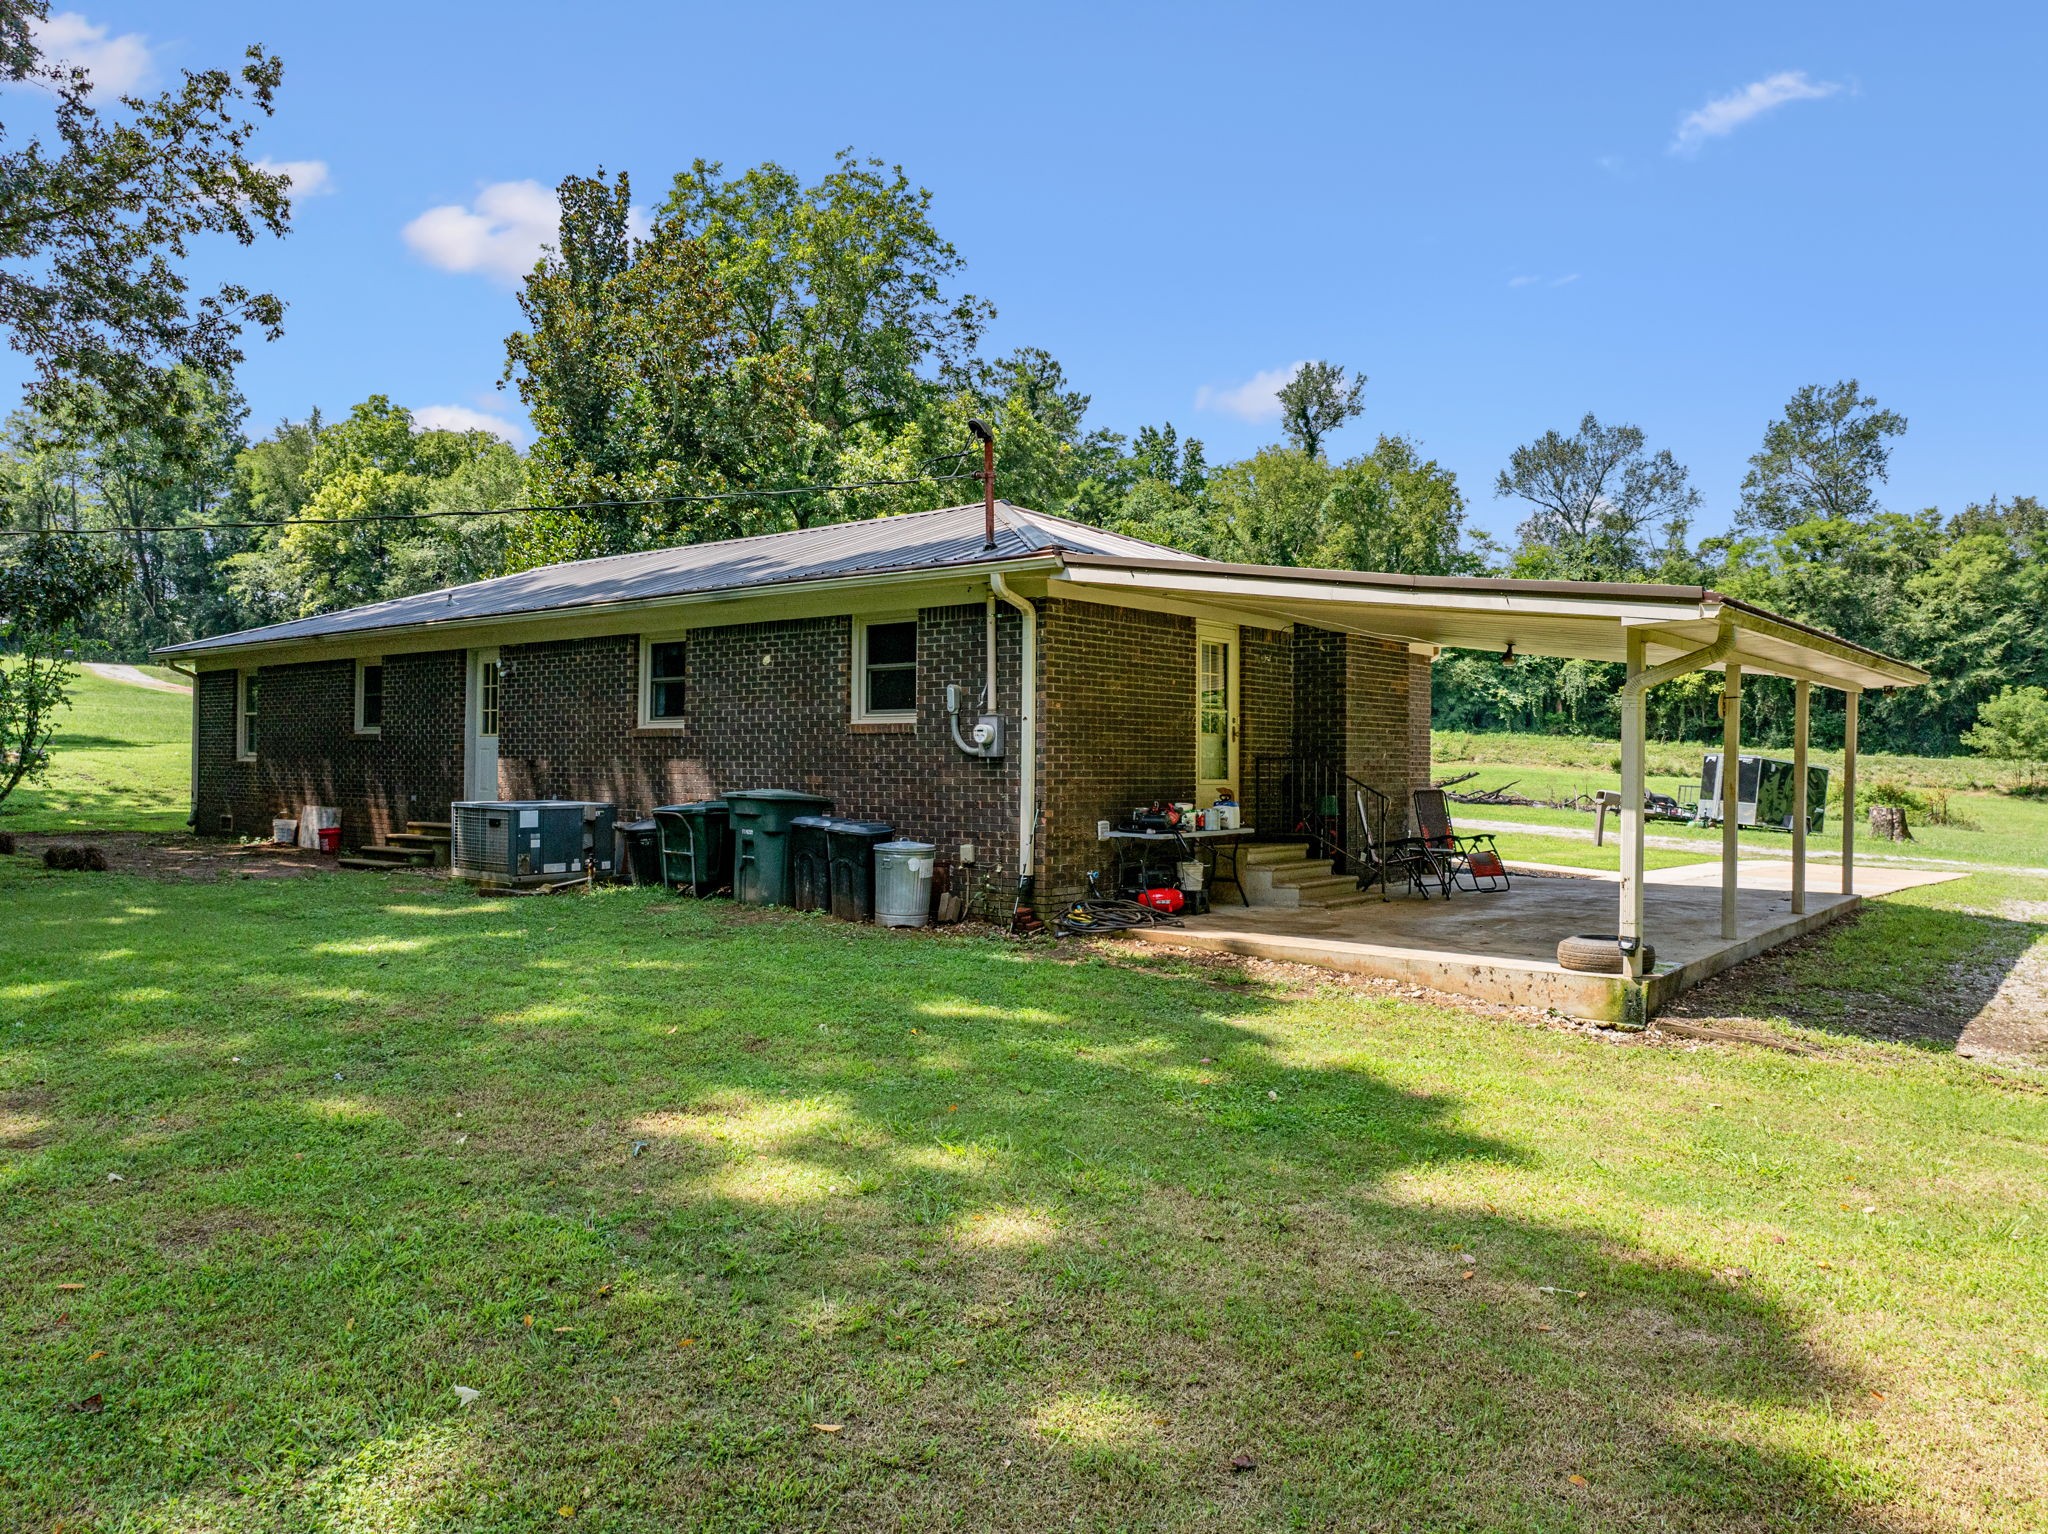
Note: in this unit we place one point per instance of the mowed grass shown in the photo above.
(738, 1220)
(2001, 830)
(121, 760)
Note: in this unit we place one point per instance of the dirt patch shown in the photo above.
(158, 856)
(2011, 1026)
(192, 1237)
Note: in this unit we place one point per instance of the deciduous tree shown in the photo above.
(97, 222)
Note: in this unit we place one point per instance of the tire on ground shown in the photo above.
(1597, 953)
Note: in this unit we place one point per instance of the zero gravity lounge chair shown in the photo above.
(1466, 862)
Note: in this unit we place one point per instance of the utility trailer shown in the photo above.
(1764, 792)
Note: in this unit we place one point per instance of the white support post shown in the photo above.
(1632, 812)
(1731, 794)
(1849, 701)
(1802, 697)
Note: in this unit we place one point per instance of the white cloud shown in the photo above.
(1523, 282)
(467, 418)
(1256, 399)
(1558, 282)
(499, 235)
(1724, 114)
(117, 64)
(309, 177)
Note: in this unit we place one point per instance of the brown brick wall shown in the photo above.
(770, 707)
(308, 751)
(1377, 722)
(1421, 673)
(1117, 724)
(1266, 736)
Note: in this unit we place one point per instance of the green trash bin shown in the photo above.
(760, 835)
(696, 845)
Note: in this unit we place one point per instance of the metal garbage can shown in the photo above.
(903, 883)
(639, 854)
(696, 845)
(810, 862)
(760, 830)
(851, 876)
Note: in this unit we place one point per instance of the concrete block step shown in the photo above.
(1323, 889)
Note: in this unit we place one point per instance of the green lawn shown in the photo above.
(1047, 1238)
(121, 759)
(2002, 830)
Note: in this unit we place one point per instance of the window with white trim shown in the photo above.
(370, 695)
(884, 670)
(664, 666)
(246, 685)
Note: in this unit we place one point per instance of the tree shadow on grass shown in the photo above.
(1894, 972)
(1038, 1243)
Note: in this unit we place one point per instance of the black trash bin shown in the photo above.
(696, 845)
(852, 880)
(760, 829)
(810, 862)
(639, 859)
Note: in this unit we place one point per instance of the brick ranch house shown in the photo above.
(1123, 672)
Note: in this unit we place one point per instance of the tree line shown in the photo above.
(761, 330)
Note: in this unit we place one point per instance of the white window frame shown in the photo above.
(363, 663)
(244, 752)
(647, 644)
(862, 714)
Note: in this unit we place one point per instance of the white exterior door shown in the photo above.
(1215, 711)
(480, 732)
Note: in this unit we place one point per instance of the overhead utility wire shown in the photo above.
(480, 511)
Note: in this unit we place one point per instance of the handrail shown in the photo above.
(1313, 797)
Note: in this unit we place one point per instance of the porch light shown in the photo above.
(1507, 657)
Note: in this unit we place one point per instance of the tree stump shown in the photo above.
(1889, 822)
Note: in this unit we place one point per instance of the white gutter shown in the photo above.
(1027, 725)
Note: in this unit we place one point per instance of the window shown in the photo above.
(885, 670)
(245, 715)
(487, 698)
(663, 664)
(369, 697)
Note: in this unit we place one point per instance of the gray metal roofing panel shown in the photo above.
(925, 540)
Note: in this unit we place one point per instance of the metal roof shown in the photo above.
(923, 540)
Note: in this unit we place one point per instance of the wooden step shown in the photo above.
(439, 849)
(379, 855)
(440, 828)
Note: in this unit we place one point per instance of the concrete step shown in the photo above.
(1258, 854)
(440, 828)
(1321, 888)
(1303, 872)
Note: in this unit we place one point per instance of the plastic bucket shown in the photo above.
(284, 832)
(330, 840)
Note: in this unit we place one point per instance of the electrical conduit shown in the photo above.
(1027, 725)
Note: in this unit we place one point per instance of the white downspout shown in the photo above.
(1027, 724)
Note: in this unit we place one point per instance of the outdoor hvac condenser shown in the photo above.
(1764, 788)
(531, 841)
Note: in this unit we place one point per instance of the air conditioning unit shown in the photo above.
(518, 842)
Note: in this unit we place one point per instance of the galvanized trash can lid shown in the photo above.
(908, 848)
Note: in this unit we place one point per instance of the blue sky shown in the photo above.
(1506, 216)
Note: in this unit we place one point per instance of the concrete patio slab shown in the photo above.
(1503, 947)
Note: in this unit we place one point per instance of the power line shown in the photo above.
(482, 511)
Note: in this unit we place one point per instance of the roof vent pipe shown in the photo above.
(988, 481)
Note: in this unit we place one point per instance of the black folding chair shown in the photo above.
(1407, 859)
(1466, 862)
